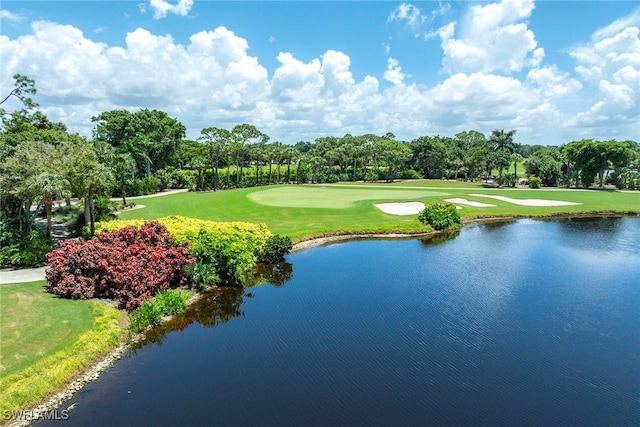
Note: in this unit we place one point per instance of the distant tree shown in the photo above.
(503, 145)
(217, 140)
(515, 159)
(48, 187)
(395, 155)
(592, 158)
(150, 136)
(245, 134)
(429, 156)
(23, 86)
(123, 165)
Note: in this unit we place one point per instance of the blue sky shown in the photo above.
(555, 71)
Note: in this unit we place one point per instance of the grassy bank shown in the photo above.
(48, 341)
(312, 210)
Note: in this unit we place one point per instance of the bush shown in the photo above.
(166, 303)
(128, 265)
(183, 229)
(25, 250)
(410, 174)
(219, 261)
(441, 216)
(275, 249)
(142, 186)
(534, 182)
(225, 251)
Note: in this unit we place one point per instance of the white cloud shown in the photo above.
(491, 38)
(409, 14)
(610, 67)
(5, 14)
(211, 80)
(161, 8)
(394, 72)
(617, 26)
(552, 83)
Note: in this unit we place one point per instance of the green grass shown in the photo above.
(333, 196)
(35, 324)
(43, 348)
(312, 210)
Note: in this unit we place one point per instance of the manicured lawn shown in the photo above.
(333, 196)
(36, 324)
(310, 210)
(47, 341)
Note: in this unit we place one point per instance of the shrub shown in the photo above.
(25, 250)
(441, 216)
(184, 228)
(275, 249)
(225, 251)
(128, 265)
(534, 182)
(410, 174)
(166, 303)
(219, 261)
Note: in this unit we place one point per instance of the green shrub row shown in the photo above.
(166, 303)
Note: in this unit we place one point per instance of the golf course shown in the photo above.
(34, 347)
(306, 211)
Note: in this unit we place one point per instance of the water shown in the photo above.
(520, 323)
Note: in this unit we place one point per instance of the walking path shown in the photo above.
(22, 276)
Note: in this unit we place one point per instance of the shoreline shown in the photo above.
(102, 364)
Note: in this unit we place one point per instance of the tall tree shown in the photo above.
(216, 140)
(48, 187)
(395, 155)
(503, 146)
(151, 136)
(245, 134)
(23, 86)
(429, 156)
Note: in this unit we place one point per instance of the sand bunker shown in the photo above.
(459, 201)
(528, 202)
(408, 208)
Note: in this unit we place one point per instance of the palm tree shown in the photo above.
(123, 164)
(49, 187)
(502, 142)
(516, 158)
(216, 139)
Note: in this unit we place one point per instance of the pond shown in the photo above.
(519, 323)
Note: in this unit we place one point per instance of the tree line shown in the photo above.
(139, 152)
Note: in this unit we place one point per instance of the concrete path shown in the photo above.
(21, 276)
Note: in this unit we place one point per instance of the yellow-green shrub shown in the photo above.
(184, 228)
(224, 251)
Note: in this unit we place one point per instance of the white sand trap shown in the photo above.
(408, 208)
(460, 201)
(528, 202)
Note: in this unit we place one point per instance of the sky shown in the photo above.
(555, 71)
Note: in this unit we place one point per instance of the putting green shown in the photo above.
(328, 197)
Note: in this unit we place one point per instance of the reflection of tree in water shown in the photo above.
(275, 274)
(218, 305)
(439, 238)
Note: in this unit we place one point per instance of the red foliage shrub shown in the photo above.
(128, 265)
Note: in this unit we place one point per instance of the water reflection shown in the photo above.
(274, 274)
(218, 305)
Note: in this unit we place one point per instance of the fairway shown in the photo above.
(306, 211)
(333, 197)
